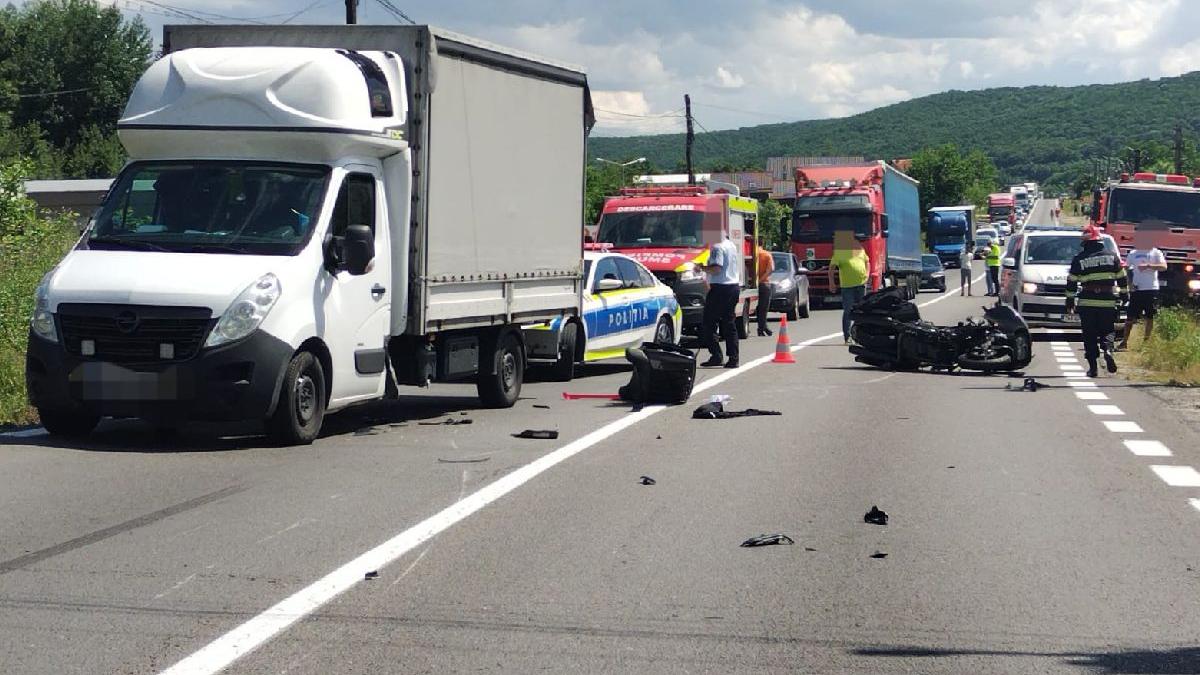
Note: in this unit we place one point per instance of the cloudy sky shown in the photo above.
(751, 62)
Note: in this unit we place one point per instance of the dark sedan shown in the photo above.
(789, 284)
(933, 275)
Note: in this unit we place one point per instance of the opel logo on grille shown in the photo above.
(127, 321)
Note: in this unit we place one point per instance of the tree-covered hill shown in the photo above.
(1047, 134)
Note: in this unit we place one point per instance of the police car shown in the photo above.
(624, 305)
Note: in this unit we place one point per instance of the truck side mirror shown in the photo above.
(883, 225)
(1010, 263)
(358, 249)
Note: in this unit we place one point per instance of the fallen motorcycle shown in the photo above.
(888, 332)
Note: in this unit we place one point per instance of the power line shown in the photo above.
(674, 113)
(54, 93)
(177, 11)
(395, 11)
(746, 112)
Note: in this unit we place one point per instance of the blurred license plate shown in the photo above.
(833, 298)
(1071, 318)
(99, 381)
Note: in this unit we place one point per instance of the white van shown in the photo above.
(1033, 274)
(304, 229)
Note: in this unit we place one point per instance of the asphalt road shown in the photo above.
(1025, 535)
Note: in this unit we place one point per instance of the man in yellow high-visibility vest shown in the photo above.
(993, 268)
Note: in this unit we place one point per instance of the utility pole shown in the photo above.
(691, 136)
(351, 12)
(1178, 148)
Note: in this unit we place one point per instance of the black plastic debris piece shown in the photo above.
(446, 422)
(647, 480)
(767, 540)
(658, 438)
(662, 373)
(1031, 384)
(875, 516)
(715, 410)
(950, 467)
(538, 434)
(809, 548)
(543, 406)
(465, 460)
(878, 555)
(371, 575)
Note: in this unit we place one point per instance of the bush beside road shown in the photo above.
(1172, 354)
(29, 246)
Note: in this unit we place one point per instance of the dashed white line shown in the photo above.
(1177, 476)
(1148, 448)
(1070, 369)
(1105, 410)
(1082, 384)
(1195, 503)
(1091, 396)
(1123, 426)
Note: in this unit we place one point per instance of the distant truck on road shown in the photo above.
(879, 203)
(311, 219)
(670, 230)
(1002, 206)
(949, 229)
(1167, 206)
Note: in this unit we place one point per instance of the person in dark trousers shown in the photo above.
(720, 303)
(1145, 262)
(765, 264)
(852, 265)
(1090, 288)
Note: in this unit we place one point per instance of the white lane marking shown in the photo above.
(1177, 476)
(1065, 359)
(26, 433)
(1070, 369)
(1123, 427)
(1195, 503)
(1091, 396)
(1148, 448)
(228, 648)
(1075, 375)
(1105, 410)
(1082, 383)
(222, 652)
(1058, 343)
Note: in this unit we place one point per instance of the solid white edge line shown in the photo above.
(1147, 448)
(1177, 476)
(245, 638)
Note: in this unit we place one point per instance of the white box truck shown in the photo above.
(311, 217)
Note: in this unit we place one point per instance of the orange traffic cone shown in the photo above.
(783, 351)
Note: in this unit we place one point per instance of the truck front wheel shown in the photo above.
(301, 408)
(501, 387)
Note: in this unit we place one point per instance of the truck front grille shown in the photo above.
(133, 333)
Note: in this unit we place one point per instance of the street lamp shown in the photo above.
(621, 165)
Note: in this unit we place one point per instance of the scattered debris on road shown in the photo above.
(538, 434)
(465, 460)
(446, 422)
(1029, 384)
(371, 575)
(767, 540)
(876, 517)
(717, 411)
(543, 406)
(662, 373)
(567, 396)
(878, 555)
(647, 480)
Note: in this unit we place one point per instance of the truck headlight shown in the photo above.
(1029, 288)
(690, 273)
(42, 321)
(1194, 284)
(247, 312)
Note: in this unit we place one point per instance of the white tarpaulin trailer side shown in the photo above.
(498, 141)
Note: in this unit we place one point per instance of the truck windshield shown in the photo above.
(653, 229)
(1180, 209)
(946, 239)
(816, 227)
(211, 207)
(1001, 212)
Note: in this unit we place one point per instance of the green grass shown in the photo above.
(1172, 354)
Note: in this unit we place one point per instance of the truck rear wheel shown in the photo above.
(563, 369)
(67, 423)
(301, 407)
(501, 387)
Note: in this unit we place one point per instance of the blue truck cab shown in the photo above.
(950, 228)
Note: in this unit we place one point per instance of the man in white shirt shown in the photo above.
(1144, 264)
(724, 290)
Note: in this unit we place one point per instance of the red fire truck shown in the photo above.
(1168, 207)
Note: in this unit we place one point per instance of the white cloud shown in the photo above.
(728, 80)
(628, 112)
